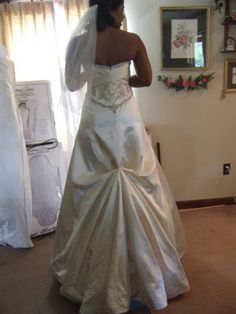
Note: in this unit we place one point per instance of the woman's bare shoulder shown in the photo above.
(132, 40)
(131, 36)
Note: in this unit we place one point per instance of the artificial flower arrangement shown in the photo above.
(200, 82)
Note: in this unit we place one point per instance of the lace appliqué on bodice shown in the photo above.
(112, 94)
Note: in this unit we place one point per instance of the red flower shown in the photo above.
(180, 83)
(184, 39)
(193, 84)
(205, 80)
(186, 83)
(168, 83)
(177, 43)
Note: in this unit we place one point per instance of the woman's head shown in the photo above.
(110, 13)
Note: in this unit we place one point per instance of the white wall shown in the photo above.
(196, 130)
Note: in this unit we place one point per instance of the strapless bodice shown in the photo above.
(110, 87)
(104, 73)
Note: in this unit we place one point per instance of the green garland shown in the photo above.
(200, 82)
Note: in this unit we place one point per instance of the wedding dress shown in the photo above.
(119, 236)
(15, 186)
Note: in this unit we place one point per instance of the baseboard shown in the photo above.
(205, 202)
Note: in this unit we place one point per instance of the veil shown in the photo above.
(80, 57)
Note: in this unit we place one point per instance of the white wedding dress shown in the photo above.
(15, 185)
(119, 236)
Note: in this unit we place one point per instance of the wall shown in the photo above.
(196, 130)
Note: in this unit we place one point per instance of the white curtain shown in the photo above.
(36, 34)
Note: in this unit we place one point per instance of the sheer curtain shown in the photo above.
(36, 34)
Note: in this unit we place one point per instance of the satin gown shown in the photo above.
(119, 236)
(15, 185)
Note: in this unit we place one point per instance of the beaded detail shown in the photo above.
(111, 95)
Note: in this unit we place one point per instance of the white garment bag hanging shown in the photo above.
(45, 155)
(15, 187)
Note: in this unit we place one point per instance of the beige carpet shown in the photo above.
(27, 285)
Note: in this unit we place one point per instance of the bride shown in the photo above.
(119, 236)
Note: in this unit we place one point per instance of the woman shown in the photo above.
(119, 236)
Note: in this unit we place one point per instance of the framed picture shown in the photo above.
(185, 37)
(230, 75)
(231, 44)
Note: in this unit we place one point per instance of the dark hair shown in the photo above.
(104, 17)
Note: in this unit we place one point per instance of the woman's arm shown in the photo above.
(142, 66)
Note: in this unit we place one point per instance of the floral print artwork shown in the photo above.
(183, 37)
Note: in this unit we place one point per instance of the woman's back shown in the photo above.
(115, 46)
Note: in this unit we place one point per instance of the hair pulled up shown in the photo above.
(104, 17)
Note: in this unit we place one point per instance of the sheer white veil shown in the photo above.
(80, 56)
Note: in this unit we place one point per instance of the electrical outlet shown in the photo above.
(226, 169)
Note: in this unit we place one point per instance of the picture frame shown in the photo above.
(231, 43)
(230, 75)
(185, 37)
